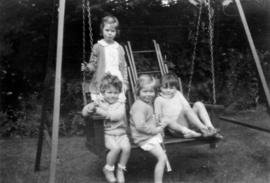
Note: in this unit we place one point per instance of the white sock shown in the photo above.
(109, 167)
(122, 167)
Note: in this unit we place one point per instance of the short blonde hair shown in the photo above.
(144, 80)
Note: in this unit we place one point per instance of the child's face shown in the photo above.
(147, 94)
(109, 32)
(111, 95)
(168, 92)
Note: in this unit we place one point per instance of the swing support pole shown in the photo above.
(254, 52)
(57, 90)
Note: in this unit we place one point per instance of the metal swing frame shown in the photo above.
(56, 114)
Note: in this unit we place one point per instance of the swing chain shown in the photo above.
(211, 45)
(83, 30)
(90, 24)
(194, 52)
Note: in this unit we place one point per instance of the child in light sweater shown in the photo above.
(145, 129)
(116, 139)
(172, 106)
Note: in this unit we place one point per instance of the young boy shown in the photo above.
(116, 139)
(172, 106)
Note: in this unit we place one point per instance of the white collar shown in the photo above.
(104, 43)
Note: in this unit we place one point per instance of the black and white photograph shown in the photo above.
(134, 91)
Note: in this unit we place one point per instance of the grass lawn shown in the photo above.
(243, 157)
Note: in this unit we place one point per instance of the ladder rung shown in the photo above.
(144, 51)
(148, 72)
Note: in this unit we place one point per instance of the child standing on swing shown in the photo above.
(146, 131)
(172, 106)
(116, 139)
(107, 56)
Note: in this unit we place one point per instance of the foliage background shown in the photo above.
(24, 53)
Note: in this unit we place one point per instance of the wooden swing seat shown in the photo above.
(95, 138)
(94, 124)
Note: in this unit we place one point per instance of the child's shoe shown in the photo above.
(206, 132)
(109, 174)
(218, 136)
(191, 134)
(120, 174)
(213, 130)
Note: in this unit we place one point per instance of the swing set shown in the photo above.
(95, 138)
(94, 124)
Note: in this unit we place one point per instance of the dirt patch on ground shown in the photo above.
(241, 158)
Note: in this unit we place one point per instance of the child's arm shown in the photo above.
(139, 117)
(184, 101)
(92, 64)
(158, 107)
(88, 109)
(112, 114)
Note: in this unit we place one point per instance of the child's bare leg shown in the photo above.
(202, 113)
(193, 119)
(111, 159)
(187, 133)
(158, 152)
(200, 110)
(112, 156)
(125, 147)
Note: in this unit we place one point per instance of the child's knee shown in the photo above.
(115, 148)
(126, 148)
(198, 105)
(162, 158)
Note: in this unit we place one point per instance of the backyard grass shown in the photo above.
(243, 157)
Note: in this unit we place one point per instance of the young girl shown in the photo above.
(116, 139)
(172, 106)
(107, 57)
(145, 130)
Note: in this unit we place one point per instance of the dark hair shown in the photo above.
(169, 80)
(143, 80)
(109, 19)
(108, 81)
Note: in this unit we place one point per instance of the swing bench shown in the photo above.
(95, 123)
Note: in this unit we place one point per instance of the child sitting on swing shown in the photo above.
(146, 131)
(172, 106)
(107, 56)
(116, 139)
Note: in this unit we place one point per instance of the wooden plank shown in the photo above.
(148, 72)
(144, 51)
(132, 84)
(57, 90)
(132, 60)
(164, 66)
(180, 84)
(95, 135)
(130, 63)
(159, 61)
(214, 106)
